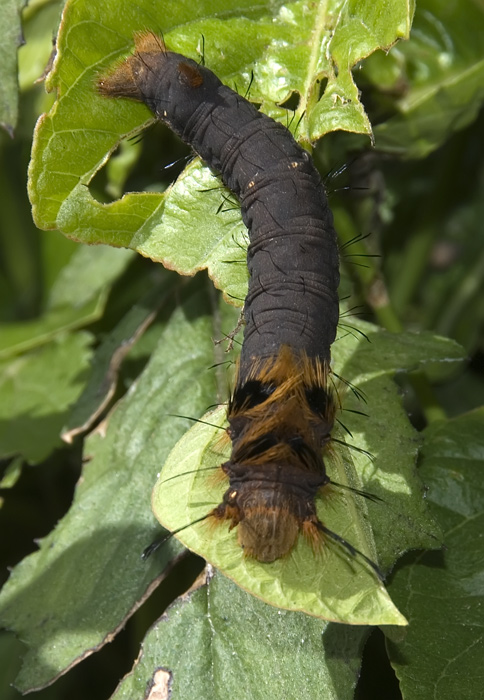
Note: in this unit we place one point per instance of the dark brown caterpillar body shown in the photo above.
(281, 413)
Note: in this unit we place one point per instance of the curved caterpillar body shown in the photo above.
(281, 412)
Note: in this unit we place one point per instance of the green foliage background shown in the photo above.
(102, 346)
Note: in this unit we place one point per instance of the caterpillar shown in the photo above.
(282, 411)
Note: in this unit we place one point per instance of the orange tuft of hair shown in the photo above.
(123, 81)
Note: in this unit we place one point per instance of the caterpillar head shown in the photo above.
(270, 507)
(170, 84)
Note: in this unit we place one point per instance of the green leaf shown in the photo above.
(439, 73)
(220, 642)
(330, 587)
(333, 586)
(361, 28)
(101, 386)
(403, 522)
(184, 230)
(71, 596)
(77, 298)
(17, 338)
(36, 391)
(88, 273)
(11, 33)
(295, 37)
(11, 474)
(442, 592)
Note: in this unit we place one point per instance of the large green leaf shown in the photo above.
(442, 592)
(330, 586)
(66, 600)
(298, 38)
(219, 642)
